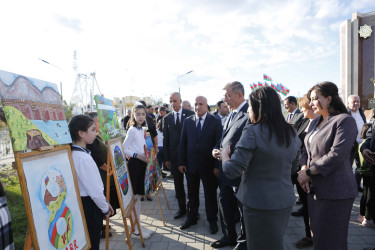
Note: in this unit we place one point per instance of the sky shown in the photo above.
(145, 47)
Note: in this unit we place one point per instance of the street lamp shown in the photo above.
(57, 67)
(178, 79)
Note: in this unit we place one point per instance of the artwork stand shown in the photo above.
(125, 211)
(158, 187)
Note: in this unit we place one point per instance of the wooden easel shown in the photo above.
(158, 187)
(126, 212)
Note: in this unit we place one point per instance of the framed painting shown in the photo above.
(153, 171)
(34, 112)
(52, 200)
(109, 125)
(121, 173)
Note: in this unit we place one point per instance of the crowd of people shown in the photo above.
(250, 150)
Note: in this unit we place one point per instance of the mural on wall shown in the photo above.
(54, 204)
(121, 174)
(34, 112)
(109, 125)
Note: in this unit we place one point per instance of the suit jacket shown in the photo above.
(172, 135)
(265, 169)
(296, 119)
(330, 154)
(231, 135)
(196, 152)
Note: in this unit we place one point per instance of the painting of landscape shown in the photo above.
(109, 125)
(33, 111)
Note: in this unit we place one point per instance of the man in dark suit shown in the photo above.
(200, 134)
(222, 112)
(236, 121)
(127, 118)
(172, 125)
(294, 115)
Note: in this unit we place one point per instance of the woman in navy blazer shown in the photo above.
(326, 173)
(263, 157)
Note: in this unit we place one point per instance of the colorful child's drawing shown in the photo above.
(121, 174)
(34, 112)
(109, 125)
(54, 203)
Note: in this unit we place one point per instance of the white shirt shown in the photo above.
(89, 180)
(179, 115)
(291, 115)
(240, 107)
(202, 121)
(160, 138)
(359, 121)
(134, 142)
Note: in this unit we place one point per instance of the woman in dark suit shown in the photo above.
(302, 129)
(326, 173)
(263, 157)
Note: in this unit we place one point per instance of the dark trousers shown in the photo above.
(305, 211)
(209, 186)
(94, 220)
(367, 204)
(358, 176)
(178, 179)
(227, 207)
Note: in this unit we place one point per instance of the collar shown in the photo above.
(139, 128)
(293, 112)
(79, 148)
(240, 107)
(203, 117)
(179, 112)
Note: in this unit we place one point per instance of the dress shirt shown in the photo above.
(359, 121)
(134, 142)
(179, 115)
(88, 176)
(290, 115)
(202, 121)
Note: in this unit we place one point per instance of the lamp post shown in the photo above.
(57, 67)
(178, 79)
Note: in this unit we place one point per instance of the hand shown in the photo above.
(216, 172)
(106, 217)
(216, 154)
(225, 152)
(143, 157)
(156, 150)
(304, 180)
(182, 169)
(168, 164)
(369, 156)
(104, 167)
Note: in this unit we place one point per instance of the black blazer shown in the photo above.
(231, 135)
(196, 153)
(171, 134)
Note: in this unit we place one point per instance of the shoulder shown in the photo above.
(187, 112)
(167, 116)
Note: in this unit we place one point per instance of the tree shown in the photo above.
(68, 110)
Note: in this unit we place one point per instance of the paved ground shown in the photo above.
(198, 236)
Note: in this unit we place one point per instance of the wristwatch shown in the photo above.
(308, 172)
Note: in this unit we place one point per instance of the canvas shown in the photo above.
(53, 199)
(109, 125)
(153, 172)
(121, 173)
(34, 112)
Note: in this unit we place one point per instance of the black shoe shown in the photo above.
(179, 214)
(164, 175)
(297, 213)
(102, 236)
(213, 227)
(360, 189)
(149, 199)
(220, 244)
(188, 223)
(299, 202)
(142, 199)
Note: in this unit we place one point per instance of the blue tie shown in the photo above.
(199, 127)
(232, 116)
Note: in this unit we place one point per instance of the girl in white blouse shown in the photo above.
(134, 148)
(96, 208)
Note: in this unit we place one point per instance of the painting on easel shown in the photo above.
(109, 125)
(34, 112)
(153, 171)
(52, 200)
(121, 172)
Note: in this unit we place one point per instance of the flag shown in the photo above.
(251, 86)
(266, 84)
(255, 86)
(273, 86)
(267, 78)
(260, 84)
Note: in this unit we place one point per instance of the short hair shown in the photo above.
(156, 108)
(352, 96)
(184, 102)
(176, 93)
(149, 106)
(304, 102)
(93, 114)
(165, 105)
(291, 99)
(79, 123)
(236, 87)
(162, 109)
(218, 104)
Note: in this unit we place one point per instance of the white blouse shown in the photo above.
(134, 142)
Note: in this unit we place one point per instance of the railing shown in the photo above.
(6, 150)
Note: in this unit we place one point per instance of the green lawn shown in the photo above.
(16, 208)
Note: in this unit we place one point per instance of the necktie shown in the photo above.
(199, 127)
(177, 120)
(290, 118)
(232, 116)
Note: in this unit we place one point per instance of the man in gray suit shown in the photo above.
(232, 130)
(294, 115)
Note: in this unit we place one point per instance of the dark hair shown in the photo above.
(218, 104)
(330, 89)
(291, 99)
(162, 109)
(149, 106)
(265, 102)
(132, 121)
(159, 125)
(79, 123)
(143, 103)
(93, 114)
(156, 108)
(364, 130)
